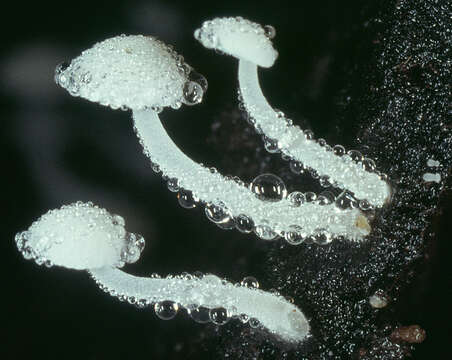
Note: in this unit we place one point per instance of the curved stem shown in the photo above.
(280, 216)
(293, 142)
(274, 313)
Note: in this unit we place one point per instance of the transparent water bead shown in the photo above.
(244, 223)
(269, 187)
(200, 314)
(186, 199)
(217, 213)
(219, 316)
(294, 236)
(270, 31)
(135, 72)
(296, 198)
(250, 282)
(193, 93)
(265, 232)
(80, 236)
(166, 310)
(240, 38)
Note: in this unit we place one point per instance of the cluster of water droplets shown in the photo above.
(200, 313)
(268, 188)
(132, 72)
(79, 235)
(349, 158)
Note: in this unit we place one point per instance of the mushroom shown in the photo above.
(145, 75)
(83, 236)
(251, 44)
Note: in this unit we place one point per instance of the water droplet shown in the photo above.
(243, 318)
(192, 93)
(293, 236)
(118, 220)
(200, 79)
(166, 310)
(157, 109)
(296, 167)
(250, 282)
(296, 198)
(310, 196)
(269, 31)
(254, 323)
(325, 198)
(355, 155)
(269, 187)
(265, 232)
(217, 213)
(155, 167)
(186, 200)
(59, 78)
(338, 150)
(244, 223)
(365, 205)
(176, 105)
(173, 185)
(200, 314)
(271, 145)
(308, 134)
(322, 238)
(321, 142)
(346, 200)
(219, 316)
(324, 181)
(369, 164)
(227, 224)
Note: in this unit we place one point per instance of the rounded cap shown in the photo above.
(79, 236)
(240, 38)
(134, 72)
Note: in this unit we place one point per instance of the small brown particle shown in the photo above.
(411, 334)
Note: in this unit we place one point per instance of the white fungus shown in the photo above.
(240, 38)
(146, 75)
(332, 165)
(132, 72)
(79, 236)
(83, 236)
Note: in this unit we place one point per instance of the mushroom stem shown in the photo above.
(231, 199)
(273, 312)
(342, 171)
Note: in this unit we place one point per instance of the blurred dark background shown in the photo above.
(57, 149)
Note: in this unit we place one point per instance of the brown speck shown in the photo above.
(362, 223)
(411, 334)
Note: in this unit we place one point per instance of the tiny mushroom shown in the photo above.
(145, 75)
(83, 236)
(251, 44)
(241, 38)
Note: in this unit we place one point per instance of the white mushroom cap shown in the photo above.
(240, 38)
(134, 72)
(79, 236)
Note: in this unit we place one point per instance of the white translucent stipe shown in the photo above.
(210, 187)
(126, 71)
(292, 142)
(274, 313)
(238, 37)
(77, 236)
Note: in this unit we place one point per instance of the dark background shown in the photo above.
(57, 149)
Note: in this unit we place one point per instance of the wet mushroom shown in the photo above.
(83, 236)
(251, 44)
(145, 75)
